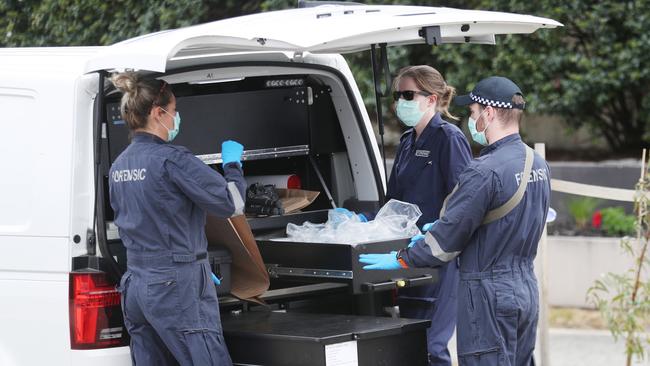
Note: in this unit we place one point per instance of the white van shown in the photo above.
(274, 81)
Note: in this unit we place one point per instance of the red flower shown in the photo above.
(597, 219)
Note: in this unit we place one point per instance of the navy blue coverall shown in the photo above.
(425, 172)
(497, 297)
(160, 194)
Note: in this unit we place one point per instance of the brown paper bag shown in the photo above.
(295, 199)
(249, 277)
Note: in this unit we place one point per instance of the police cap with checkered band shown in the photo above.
(495, 91)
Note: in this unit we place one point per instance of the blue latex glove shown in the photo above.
(231, 152)
(415, 239)
(349, 213)
(380, 261)
(427, 227)
(215, 279)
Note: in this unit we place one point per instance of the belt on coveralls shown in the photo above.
(511, 270)
(143, 260)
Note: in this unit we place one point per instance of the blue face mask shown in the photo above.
(171, 134)
(478, 137)
(408, 111)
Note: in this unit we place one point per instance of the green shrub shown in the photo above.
(616, 222)
(581, 210)
(623, 298)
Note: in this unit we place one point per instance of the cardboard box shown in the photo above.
(294, 200)
(249, 277)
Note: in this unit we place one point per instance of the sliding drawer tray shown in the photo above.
(296, 339)
(340, 262)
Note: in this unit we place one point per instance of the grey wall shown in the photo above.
(616, 174)
(576, 262)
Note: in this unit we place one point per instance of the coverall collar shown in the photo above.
(508, 139)
(434, 122)
(147, 137)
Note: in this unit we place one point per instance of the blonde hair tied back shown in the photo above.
(430, 80)
(139, 96)
(126, 82)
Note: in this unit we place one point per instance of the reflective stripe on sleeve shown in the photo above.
(237, 199)
(437, 251)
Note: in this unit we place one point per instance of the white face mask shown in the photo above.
(171, 134)
(408, 111)
(478, 137)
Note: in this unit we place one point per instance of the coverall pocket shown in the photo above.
(507, 310)
(490, 356)
(506, 304)
(469, 302)
(206, 281)
(121, 288)
(477, 330)
(162, 294)
(205, 347)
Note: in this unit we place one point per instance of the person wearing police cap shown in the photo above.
(492, 221)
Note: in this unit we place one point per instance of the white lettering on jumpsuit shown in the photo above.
(131, 175)
(536, 175)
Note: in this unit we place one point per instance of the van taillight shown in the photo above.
(95, 313)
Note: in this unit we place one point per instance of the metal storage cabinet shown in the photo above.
(296, 339)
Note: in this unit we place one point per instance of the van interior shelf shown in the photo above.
(256, 223)
(260, 154)
(281, 221)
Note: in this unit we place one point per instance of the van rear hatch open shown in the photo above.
(322, 29)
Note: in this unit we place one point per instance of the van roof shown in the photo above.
(61, 59)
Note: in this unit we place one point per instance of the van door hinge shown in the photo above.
(90, 242)
(298, 56)
(431, 35)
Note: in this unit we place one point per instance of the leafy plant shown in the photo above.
(624, 299)
(581, 210)
(616, 222)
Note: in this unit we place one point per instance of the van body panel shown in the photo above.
(36, 152)
(30, 255)
(43, 60)
(101, 357)
(82, 190)
(35, 322)
(19, 104)
(324, 29)
(46, 163)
